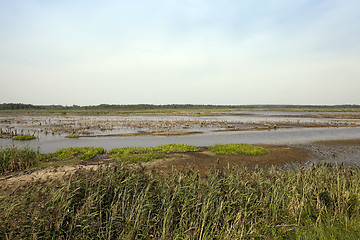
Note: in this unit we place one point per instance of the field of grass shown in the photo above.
(319, 202)
(312, 202)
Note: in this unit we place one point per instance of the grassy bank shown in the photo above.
(321, 202)
(14, 159)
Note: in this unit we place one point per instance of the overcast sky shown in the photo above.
(89, 52)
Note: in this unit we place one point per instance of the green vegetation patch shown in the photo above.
(23, 137)
(237, 148)
(136, 154)
(73, 136)
(82, 153)
(176, 148)
(14, 159)
(142, 154)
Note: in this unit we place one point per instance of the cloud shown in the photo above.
(232, 52)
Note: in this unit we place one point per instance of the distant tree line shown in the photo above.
(20, 106)
(17, 106)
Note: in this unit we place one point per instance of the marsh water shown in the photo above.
(291, 128)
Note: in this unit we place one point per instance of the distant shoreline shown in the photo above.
(165, 109)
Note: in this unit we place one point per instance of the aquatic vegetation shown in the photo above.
(135, 154)
(320, 202)
(237, 148)
(142, 154)
(73, 136)
(176, 148)
(14, 159)
(23, 137)
(82, 153)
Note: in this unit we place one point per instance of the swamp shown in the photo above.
(180, 174)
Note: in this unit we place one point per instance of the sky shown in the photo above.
(236, 52)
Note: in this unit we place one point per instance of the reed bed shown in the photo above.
(14, 159)
(319, 202)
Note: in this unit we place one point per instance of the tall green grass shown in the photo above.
(16, 159)
(320, 202)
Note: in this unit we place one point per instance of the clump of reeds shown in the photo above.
(320, 202)
(16, 159)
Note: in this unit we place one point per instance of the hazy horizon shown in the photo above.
(245, 52)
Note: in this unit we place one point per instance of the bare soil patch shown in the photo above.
(351, 142)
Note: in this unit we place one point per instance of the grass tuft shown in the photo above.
(176, 148)
(23, 137)
(73, 136)
(237, 148)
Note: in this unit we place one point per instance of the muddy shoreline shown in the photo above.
(346, 152)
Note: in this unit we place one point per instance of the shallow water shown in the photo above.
(42, 126)
(50, 143)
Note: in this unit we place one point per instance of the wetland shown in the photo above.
(53, 132)
(186, 175)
